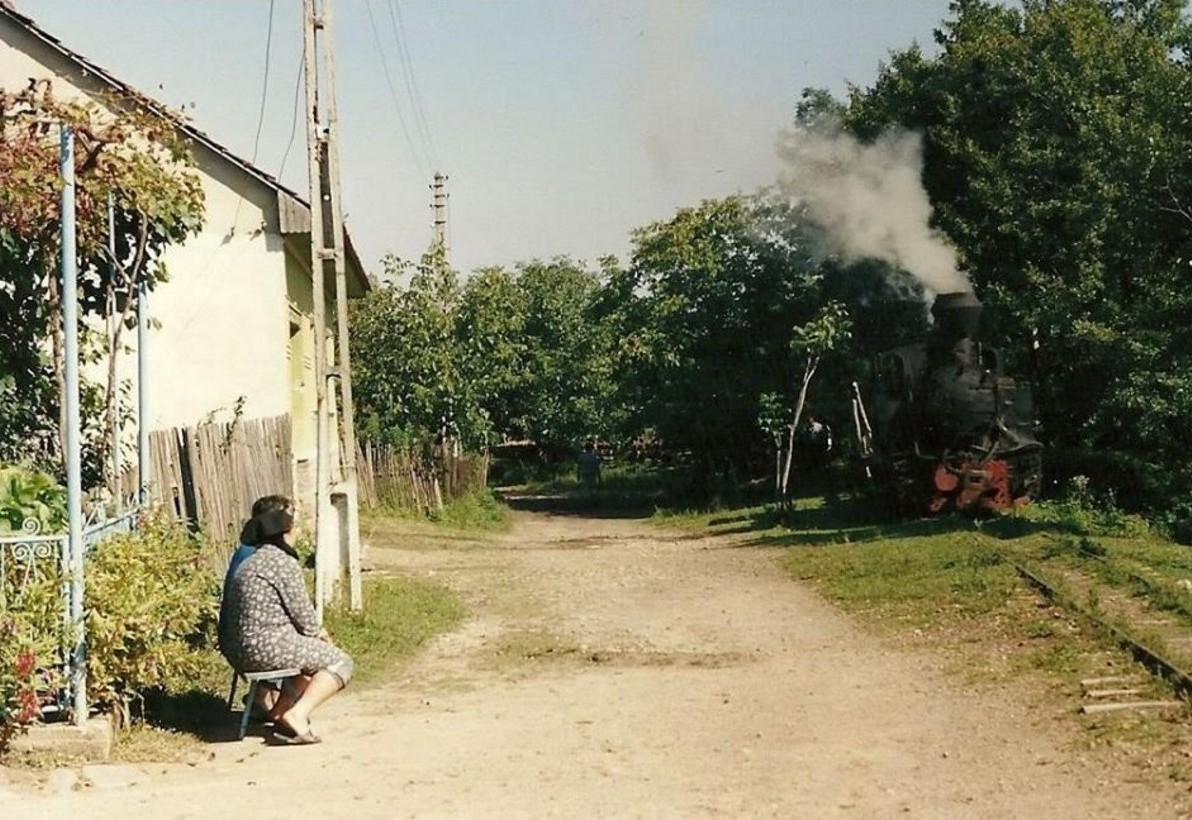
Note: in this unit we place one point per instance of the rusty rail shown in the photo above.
(1148, 657)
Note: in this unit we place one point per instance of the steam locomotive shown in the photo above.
(950, 430)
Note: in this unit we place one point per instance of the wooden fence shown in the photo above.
(402, 480)
(211, 474)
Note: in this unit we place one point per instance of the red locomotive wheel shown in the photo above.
(945, 480)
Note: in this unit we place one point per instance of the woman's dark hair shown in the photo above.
(270, 528)
(266, 503)
(271, 502)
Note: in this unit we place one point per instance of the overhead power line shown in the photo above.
(256, 142)
(293, 121)
(422, 159)
(407, 69)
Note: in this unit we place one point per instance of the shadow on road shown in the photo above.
(596, 504)
(858, 520)
(198, 713)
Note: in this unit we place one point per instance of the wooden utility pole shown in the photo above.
(337, 523)
(439, 208)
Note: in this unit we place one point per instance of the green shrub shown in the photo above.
(27, 495)
(1135, 483)
(1177, 520)
(30, 601)
(152, 603)
(1083, 511)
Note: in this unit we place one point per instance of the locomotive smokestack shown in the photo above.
(957, 315)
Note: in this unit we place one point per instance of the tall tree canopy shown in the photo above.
(516, 355)
(709, 302)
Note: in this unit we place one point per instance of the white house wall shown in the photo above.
(222, 318)
(222, 314)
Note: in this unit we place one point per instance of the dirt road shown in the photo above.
(609, 669)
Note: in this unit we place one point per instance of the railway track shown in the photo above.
(1116, 692)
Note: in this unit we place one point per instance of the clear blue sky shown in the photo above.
(563, 124)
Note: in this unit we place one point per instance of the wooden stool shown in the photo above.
(253, 679)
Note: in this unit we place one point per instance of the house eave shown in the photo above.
(293, 210)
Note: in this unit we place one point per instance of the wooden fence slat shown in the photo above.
(395, 478)
(230, 466)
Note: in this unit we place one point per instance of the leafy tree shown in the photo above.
(493, 349)
(124, 155)
(406, 365)
(568, 386)
(375, 320)
(709, 302)
(512, 354)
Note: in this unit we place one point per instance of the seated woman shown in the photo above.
(272, 625)
(267, 690)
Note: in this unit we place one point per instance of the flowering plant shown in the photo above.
(28, 670)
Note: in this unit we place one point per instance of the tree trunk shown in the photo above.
(111, 396)
(778, 467)
(116, 324)
(808, 373)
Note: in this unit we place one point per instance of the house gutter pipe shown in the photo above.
(74, 481)
(117, 498)
(142, 393)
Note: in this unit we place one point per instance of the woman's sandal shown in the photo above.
(308, 739)
(285, 735)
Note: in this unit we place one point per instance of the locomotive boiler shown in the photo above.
(951, 431)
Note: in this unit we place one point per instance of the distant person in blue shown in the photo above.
(587, 469)
(266, 694)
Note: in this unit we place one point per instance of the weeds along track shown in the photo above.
(1157, 637)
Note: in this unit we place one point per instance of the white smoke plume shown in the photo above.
(870, 201)
(678, 116)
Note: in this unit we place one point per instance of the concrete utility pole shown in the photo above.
(439, 244)
(439, 207)
(337, 521)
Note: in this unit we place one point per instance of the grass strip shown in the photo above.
(400, 615)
